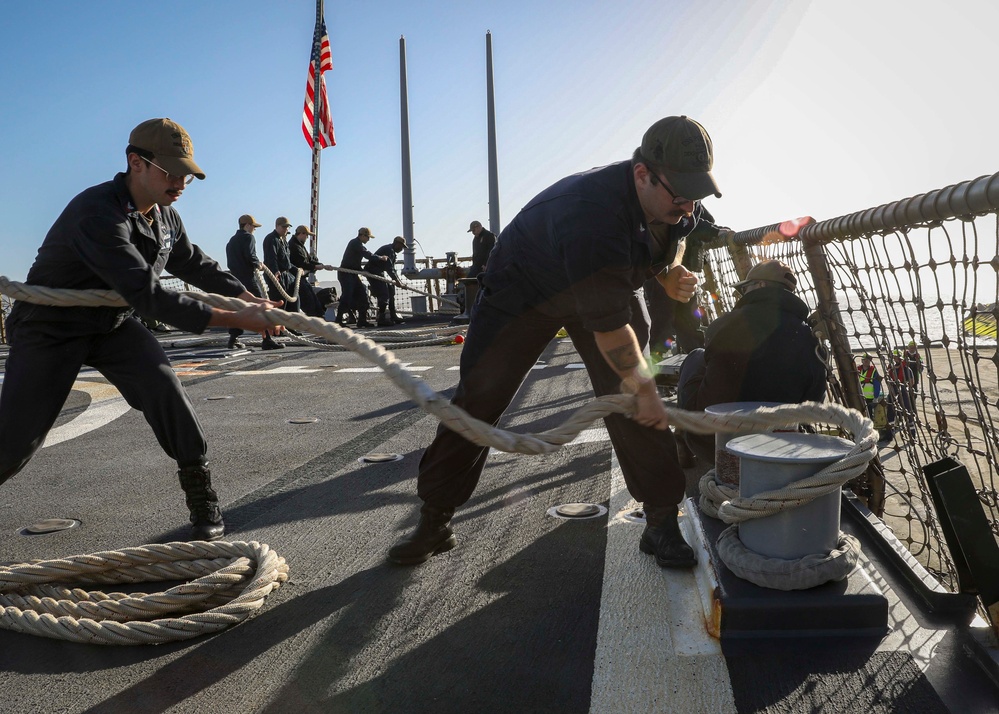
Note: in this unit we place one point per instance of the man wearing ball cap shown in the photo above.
(575, 257)
(761, 351)
(121, 235)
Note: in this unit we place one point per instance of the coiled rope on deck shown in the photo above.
(231, 580)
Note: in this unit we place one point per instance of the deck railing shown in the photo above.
(920, 271)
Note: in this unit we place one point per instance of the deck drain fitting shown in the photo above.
(50, 525)
(635, 516)
(379, 458)
(577, 511)
(303, 420)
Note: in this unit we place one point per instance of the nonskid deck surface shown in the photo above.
(528, 613)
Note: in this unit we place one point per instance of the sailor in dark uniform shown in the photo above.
(382, 263)
(576, 257)
(121, 235)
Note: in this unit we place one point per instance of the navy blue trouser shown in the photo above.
(41, 369)
(287, 278)
(381, 292)
(354, 296)
(499, 351)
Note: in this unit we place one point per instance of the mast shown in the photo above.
(494, 214)
(316, 146)
(408, 256)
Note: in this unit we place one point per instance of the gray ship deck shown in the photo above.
(529, 614)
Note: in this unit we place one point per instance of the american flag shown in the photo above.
(321, 54)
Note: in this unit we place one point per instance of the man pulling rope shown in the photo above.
(122, 234)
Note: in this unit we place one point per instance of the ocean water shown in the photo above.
(887, 325)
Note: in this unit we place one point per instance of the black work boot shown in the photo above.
(203, 502)
(663, 538)
(432, 536)
(268, 343)
(383, 319)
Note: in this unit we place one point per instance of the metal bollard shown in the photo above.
(726, 463)
(769, 462)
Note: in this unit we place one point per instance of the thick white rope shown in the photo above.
(722, 501)
(384, 339)
(713, 493)
(438, 298)
(795, 494)
(276, 282)
(460, 421)
(232, 580)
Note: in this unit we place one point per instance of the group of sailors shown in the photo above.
(904, 376)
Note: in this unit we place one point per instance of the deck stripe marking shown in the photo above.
(106, 405)
(653, 652)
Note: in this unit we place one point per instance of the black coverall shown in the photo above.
(353, 296)
(383, 292)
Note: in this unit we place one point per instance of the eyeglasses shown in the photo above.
(656, 181)
(170, 177)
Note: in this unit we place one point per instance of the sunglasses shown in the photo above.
(656, 181)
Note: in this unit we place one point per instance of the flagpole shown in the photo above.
(493, 170)
(408, 257)
(316, 146)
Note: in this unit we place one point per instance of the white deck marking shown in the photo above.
(282, 369)
(653, 652)
(106, 405)
(362, 370)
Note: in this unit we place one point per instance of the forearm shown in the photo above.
(620, 349)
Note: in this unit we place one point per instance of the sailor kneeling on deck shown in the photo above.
(761, 351)
(577, 256)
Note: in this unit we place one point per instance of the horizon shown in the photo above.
(813, 110)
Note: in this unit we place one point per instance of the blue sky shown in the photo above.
(819, 108)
